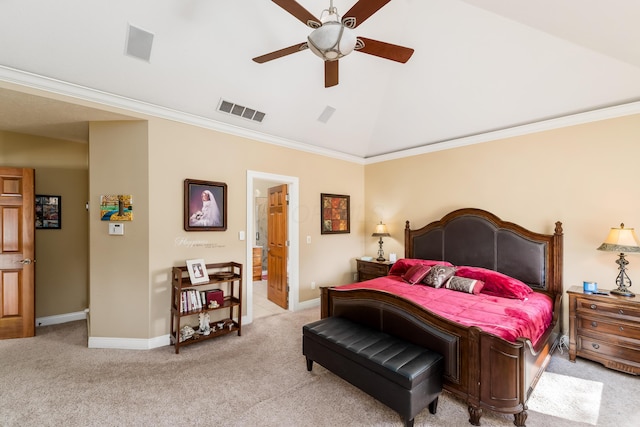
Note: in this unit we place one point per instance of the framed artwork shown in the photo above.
(48, 211)
(197, 271)
(205, 205)
(116, 207)
(334, 214)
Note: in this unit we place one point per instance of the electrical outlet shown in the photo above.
(313, 285)
(355, 277)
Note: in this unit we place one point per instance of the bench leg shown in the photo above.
(309, 364)
(433, 406)
(408, 423)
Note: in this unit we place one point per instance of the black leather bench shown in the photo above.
(403, 376)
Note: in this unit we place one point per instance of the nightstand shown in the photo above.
(371, 269)
(605, 329)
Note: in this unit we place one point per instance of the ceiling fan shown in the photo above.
(332, 36)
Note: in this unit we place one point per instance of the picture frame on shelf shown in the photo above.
(205, 205)
(48, 211)
(197, 271)
(334, 214)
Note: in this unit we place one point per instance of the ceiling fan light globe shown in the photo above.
(331, 41)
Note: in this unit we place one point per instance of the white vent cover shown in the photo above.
(139, 43)
(326, 114)
(240, 111)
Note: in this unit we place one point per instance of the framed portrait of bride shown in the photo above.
(205, 205)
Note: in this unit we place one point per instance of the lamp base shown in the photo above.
(623, 293)
(380, 258)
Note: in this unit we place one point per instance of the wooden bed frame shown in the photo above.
(485, 371)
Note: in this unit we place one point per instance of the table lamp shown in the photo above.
(621, 240)
(381, 231)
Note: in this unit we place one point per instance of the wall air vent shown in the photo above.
(240, 111)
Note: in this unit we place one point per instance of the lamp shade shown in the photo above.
(621, 240)
(381, 230)
(331, 41)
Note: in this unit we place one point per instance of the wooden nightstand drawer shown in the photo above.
(610, 350)
(606, 325)
(608, 309)
(371, 269)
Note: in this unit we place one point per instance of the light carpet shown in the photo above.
(567, 397)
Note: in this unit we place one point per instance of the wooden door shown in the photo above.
(17, 249)
(277, 289)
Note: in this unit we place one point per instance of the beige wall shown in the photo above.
(177, 152)
(61, 255)
(584, 176)
(119, 265)
(580, 175)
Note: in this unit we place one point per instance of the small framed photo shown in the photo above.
(197, 271)
(334, 214)
(116, 207)
(205, 205)
(48, 212)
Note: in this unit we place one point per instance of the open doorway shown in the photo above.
(257, 185)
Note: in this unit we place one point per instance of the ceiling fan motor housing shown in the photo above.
(332, 41)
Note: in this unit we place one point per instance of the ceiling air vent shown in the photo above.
(139, 43)
(240, 111)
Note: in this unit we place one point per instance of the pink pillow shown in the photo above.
(415, 274)
(495, 283)
(403, 264)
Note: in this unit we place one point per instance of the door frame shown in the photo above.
(293, 235)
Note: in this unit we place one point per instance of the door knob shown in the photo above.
(26, 261)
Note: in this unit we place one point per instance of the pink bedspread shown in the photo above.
(507, 318)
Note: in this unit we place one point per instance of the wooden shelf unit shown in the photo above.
(232, 301)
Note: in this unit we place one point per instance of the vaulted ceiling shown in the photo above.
(479, 66)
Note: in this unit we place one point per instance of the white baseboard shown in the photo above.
(308, 304)
(60, 318)
(129, 343)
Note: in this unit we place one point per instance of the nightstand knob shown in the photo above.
(622, 328)
(621, 311)
(596, 346)
(594, 324)
(593, 306)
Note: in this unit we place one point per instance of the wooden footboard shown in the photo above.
(485, 371)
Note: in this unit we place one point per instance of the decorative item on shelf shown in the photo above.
(223, 275)
(204, 319)
(186, 332)
(622, 240)
(197, 271)
(381, 231)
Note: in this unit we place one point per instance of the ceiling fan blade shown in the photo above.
(386, 50)
(294, 8)
(363, 9)
(280, 53)
(330, 73)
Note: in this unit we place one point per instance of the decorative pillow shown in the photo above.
(415, 274)
(495, 283)
(438, 275)
(403, 264)
(462, 284)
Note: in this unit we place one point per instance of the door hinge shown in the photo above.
(286, 198)
(288, 288)
(286, 243)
